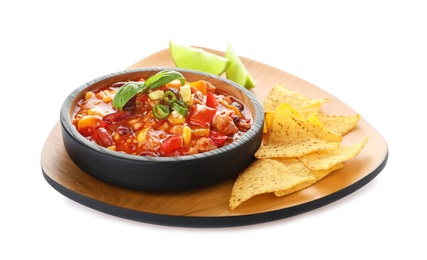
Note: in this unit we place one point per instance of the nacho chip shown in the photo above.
(297, 167)
(291, 135)
(280, 94)
(288, 127)
(339, 125)
(300, 147)
(268, 119)
(295, 150)
(294, 164)
(320, 174)
(321, 131)
(322, 160)
(264, 176)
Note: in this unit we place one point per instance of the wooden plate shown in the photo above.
(208, 207)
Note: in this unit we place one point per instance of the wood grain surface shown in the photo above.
(213, 201)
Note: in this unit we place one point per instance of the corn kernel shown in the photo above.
(107, 99)
(186, 134)
(90, 111)
(88, 95)
(142, 135)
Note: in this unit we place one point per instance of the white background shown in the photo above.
(370, 54)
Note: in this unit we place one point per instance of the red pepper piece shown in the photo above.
(211, 100)
(171, 144)
(201, 115)
(218, 137)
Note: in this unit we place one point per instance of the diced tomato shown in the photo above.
(218, 137)
(211, 100)
(171, 144)
(201, 115)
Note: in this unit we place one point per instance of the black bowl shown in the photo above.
(162, 173)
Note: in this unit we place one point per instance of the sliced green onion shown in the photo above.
(182, 110)
(169, 97)
(160, 111)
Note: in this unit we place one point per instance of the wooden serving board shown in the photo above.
(208, 207)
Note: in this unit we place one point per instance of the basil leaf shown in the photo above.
(162, 78)
(126, 93)
(129, 90)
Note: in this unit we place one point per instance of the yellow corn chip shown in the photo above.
(339, 125)
(321, 131)
(268, 119)
(300, 147)
(297, 167)
(290, 135)
(320, 174)
(264, 176)
(322, 160)
(286, 128)
(280, 94)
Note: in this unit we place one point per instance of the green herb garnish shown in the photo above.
(130, 89)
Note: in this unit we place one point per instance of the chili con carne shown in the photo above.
(199, 119)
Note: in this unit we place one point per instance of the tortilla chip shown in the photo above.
(301, 148)
(312, 108)
(320, 174)
(291, 135)
(339, 125)
(297, 167)
(268, 119)
(321, 131)
(294, 164)
(280, 94)
(322, 160)
(264, 176)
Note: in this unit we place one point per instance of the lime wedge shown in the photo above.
(237, 71)
(189, 57)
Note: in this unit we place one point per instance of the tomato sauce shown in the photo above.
(172, 120)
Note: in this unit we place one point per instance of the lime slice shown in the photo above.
(236, 71)
(189, 57)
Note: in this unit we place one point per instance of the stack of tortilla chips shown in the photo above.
(301, 147)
